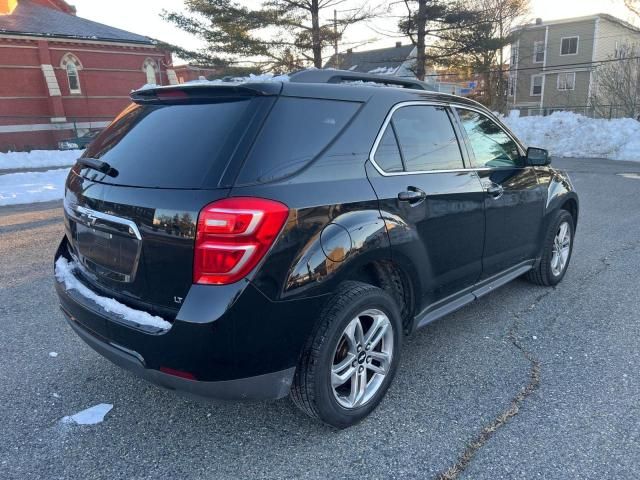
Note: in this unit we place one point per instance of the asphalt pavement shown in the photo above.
(528, 382)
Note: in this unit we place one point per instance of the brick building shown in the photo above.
(61, 74)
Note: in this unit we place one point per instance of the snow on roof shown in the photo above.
(32, 19)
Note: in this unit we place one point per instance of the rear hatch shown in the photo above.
(172, 152)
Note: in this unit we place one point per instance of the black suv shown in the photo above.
(257, 240)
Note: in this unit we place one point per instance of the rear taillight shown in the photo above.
(233, 235)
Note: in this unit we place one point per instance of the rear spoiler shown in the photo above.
(204, 91)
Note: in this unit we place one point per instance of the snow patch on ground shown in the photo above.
(38, 159)
(90, 416)
(64, 274)
(53, 354)
(32, 187)
(566, 134)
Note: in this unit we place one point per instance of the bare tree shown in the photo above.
(481, 45)
(432, 19)
(617, 83)
(633, 5)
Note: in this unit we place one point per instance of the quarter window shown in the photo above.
(491, 146)
(569, 46)
(388, 154)
(427, 139)
(567, 81)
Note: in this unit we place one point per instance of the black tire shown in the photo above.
(543, 274)
(312, 391)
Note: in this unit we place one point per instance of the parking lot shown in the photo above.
(528, 382)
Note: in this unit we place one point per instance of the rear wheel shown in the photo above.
(556, 253)
(351, 359)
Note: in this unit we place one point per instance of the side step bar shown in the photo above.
(459, 300)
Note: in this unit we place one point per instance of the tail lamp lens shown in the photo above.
(233, 235)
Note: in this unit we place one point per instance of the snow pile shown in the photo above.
(90, 416)
(32, 187)
(38, 159)
(64, 274)
(567, 134)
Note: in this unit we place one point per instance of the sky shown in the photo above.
(143, 17)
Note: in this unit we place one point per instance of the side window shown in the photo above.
(295, 133)
(491, 146)
(388, 154)
(427, 139)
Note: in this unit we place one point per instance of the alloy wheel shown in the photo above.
(362, 358)
(561, 249)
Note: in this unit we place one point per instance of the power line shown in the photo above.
(547, 69)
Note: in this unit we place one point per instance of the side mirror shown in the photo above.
(538, 157)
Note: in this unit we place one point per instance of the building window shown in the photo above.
(536, 85)
(512, 85)
(514, 55)
(538, 52)
(149, 67)
(72, 66)
(567, 81)
(151, 74)
(569, 46)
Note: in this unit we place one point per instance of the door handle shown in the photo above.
(494, 189)
(412, 195)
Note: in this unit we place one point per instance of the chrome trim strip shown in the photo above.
(398, 106)
(133, 228)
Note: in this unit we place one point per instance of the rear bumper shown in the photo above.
(228, 342)
(261, 387)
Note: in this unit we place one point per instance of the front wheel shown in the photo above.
(556, 251)
(352, 357)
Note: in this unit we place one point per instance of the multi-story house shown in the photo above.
(553, 63)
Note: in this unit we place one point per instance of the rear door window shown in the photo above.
(170, 146)
(295, 133)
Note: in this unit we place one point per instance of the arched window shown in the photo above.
(72, 66)
(72, 76)
(151, 74)
(149, 67)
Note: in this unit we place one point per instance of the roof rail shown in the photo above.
(342, 76)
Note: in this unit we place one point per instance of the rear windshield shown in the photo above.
(170, 146)
(296, 131)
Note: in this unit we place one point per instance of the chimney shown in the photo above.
(398, 44)
(538, 21)
(7, 6)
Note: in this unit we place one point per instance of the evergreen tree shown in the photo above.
(280, 35)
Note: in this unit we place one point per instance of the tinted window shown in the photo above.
(427, 139)
(170, 146)
(296, 131)
(491, 146)
(388, 155)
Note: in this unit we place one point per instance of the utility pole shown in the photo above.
(335, 38)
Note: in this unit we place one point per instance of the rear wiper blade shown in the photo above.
(98, 165)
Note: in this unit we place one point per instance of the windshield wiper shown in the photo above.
(98, 165)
